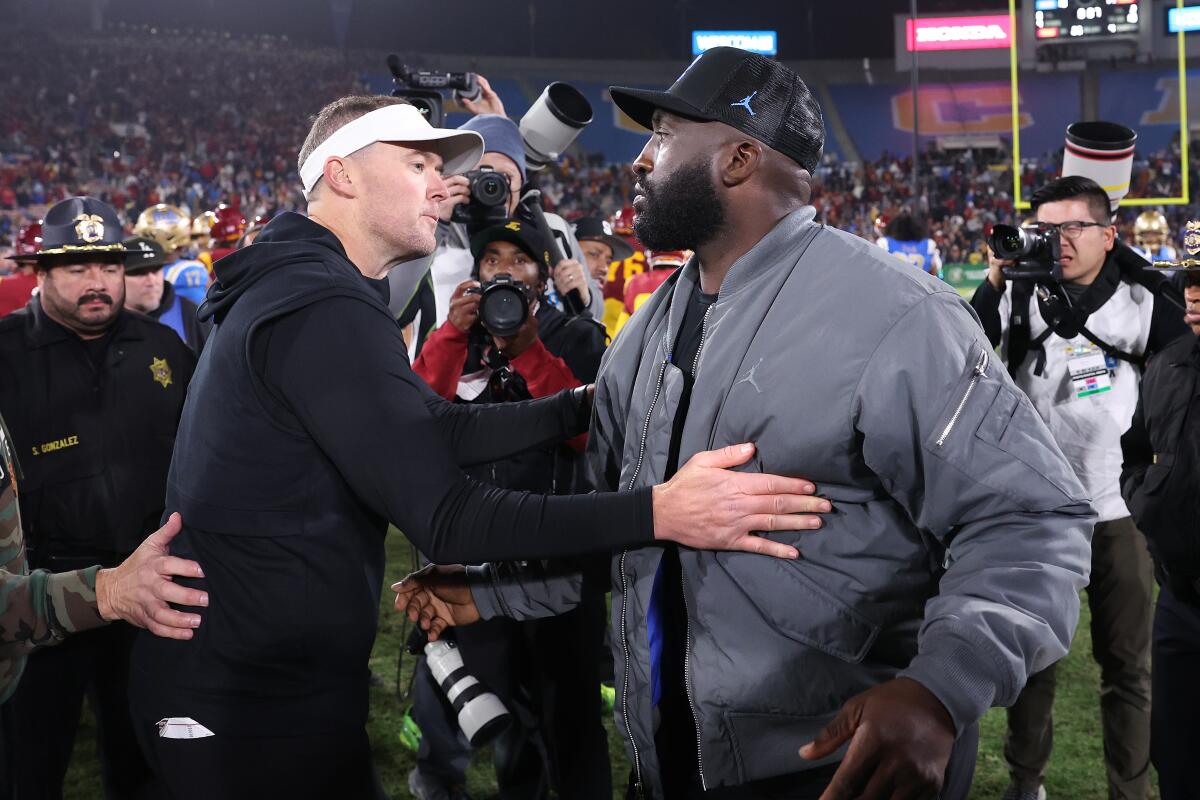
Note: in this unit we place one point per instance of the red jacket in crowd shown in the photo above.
(444, 355)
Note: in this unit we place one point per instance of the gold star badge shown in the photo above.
(161, 371)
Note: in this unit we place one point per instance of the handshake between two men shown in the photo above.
(900, 735)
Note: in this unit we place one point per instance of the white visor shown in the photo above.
(402, 123)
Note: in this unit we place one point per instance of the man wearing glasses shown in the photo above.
(1077, 346)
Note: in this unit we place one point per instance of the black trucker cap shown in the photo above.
(756, 95)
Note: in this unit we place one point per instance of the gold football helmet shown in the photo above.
(167, 225)
(201, 230)
(1150, 229)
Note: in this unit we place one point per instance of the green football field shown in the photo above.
(1076, 771)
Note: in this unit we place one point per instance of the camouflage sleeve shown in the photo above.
(42, 608)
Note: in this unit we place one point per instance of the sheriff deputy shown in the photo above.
(92, 394)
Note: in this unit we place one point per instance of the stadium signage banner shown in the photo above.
(982, 32)
(1186, 19)
(762, 42)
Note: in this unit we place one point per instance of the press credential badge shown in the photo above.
(1089, 370)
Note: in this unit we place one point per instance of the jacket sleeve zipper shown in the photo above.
(980, 371)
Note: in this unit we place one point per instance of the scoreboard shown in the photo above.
(1070, 20)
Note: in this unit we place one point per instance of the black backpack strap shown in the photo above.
(1110, 350)
(1038, 344)
(1018, 325)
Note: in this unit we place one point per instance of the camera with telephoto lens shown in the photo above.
(503, 304)
(1036, 252)
(423, 88)
(481, 715)
(559, 114)
(489, 199)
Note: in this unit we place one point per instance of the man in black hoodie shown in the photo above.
(305, 432)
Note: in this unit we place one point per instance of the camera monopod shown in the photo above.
(531, 201)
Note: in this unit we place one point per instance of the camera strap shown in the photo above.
(1070, 321)
(1018, 327)
(1038, 345)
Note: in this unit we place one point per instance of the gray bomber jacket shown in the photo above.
(959, 539)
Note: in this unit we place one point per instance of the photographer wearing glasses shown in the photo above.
(1079, 352)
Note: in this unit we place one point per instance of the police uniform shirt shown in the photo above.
(94, 425)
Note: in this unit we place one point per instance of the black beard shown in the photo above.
(680, 212)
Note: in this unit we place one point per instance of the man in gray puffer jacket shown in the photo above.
(949, 566)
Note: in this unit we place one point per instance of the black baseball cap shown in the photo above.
(754, 94)
(600, 230)
(522, 234)
(145, 255)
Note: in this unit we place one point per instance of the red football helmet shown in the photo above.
(28, 241)
(622, 221)
(230, 224)
(251, 233)
(668, 259)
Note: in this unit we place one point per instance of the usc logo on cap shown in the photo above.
(514, 226)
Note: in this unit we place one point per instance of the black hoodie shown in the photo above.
(305, 432)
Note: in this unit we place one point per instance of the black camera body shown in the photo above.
(423, 88)
(489, 200)
(1036, 252)
(503, 304)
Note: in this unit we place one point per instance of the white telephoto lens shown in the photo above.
(481, 714)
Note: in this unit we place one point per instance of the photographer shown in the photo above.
(1162, 456)
(504, 153)
(544, 661)
(1079, 357)
(549, 352)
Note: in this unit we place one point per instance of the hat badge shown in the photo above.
(1191, 238)
(606, 226)
(89, 227)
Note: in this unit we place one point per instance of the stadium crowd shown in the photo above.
(143, 152)
(145, 123)
(195, 133)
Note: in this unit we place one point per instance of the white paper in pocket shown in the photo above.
(181, 728)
